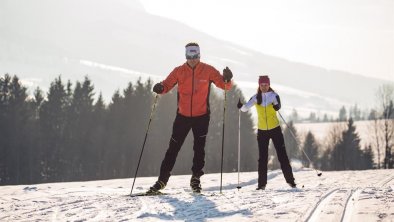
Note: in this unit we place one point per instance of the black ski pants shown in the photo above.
(263, 137)
(182, 125)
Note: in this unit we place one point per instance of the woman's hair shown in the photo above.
(259, 97)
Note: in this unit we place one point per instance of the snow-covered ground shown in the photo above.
(335, 196)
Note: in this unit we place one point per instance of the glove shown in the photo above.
(239, 104)
(277, 106)
(227, 75)
(158, 88)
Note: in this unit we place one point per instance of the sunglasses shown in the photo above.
(193, 56)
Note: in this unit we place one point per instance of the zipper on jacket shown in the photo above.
(191, 99)
(265, 108)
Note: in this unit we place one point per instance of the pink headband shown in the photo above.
(264, 79)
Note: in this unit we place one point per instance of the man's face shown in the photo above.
(193, 62)
(192, 55)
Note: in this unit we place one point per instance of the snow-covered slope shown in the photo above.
(336, 196)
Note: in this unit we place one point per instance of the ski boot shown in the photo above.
(260, 187)
(292, 184)
(195, 184)
(155, 189)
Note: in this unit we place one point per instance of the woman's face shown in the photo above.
(264, 87)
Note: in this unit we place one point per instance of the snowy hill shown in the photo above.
(117, 41)
(336, 196)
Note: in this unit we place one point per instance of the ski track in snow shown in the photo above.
(335, 196)
(332, 206)
(341, 204)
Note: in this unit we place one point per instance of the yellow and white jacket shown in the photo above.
(266, 112)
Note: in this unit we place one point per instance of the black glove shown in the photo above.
(227, 75)
(239, 104)
(277, 106)
(158, 88)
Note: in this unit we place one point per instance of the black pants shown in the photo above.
(182, 125)
(263, 137)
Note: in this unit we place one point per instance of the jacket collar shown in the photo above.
(195, 67)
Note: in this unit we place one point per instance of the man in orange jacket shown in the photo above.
(194, 79)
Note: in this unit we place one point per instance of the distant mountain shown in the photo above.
(114, 42)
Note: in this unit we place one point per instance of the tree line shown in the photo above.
(69, 134)
(341, 149)
(353, 112)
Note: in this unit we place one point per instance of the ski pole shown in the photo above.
(146, 135)
(239, 146)
(224, 115)
(291, 132)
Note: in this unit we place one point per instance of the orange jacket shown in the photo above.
(194, 87)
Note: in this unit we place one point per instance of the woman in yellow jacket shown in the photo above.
(267, 102)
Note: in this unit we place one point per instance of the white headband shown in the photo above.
(192, 52)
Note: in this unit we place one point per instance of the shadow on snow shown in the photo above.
(199, 209)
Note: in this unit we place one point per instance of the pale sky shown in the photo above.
(350, 35)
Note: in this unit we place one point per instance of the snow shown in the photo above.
(335, 196)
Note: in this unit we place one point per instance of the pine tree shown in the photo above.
(15, 142)
(312, 117)
(35, 144)
(141, 107)
(53, 119)
(4, 125)
(342, 114)
(133, 134)
(80, 161)
(98, 137)
(367, 158)
(311, 149)
(37, 102)
(347, 154)
(355, 113)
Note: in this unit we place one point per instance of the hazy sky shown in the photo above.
(350, 35)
